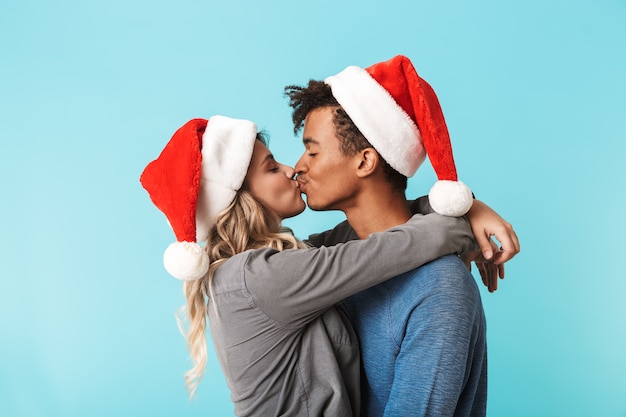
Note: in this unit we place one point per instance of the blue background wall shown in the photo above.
(533, 93)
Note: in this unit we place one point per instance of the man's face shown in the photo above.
(327, 177)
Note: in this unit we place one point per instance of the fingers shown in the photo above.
(509, 244)
(493, 284)
(485, 222)
(483, 273)
(492, 275)
(484, 243)
(489, 273)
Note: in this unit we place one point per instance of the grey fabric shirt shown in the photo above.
(283, 345)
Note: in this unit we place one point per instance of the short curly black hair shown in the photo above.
(318, 94)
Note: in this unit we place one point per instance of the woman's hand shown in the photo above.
(486, 223)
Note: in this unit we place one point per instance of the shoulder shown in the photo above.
(341, 233)
(243, 267)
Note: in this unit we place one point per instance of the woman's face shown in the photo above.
(272, 184)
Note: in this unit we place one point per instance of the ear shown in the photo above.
(368, 160)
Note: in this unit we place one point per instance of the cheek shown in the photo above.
(266, 192)
(288, 202)
(283, 192)
(326, 168)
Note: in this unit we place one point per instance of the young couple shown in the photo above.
(379, 316)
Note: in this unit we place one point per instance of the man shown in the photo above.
(422, 334)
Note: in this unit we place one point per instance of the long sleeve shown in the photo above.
(295, 285)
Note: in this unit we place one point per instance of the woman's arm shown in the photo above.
(296, 285)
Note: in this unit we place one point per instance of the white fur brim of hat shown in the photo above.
(227, 146)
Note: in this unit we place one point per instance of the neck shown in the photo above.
(377, 211)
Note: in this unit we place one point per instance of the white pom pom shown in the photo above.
(450, 198)
(186, 261)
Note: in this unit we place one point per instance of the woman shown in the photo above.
(283, 346)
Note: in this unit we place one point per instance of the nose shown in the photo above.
(289, 171)
(300, 166)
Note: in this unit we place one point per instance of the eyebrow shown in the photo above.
(309, 141)
(268, 157)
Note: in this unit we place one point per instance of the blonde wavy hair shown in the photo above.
(244, 224)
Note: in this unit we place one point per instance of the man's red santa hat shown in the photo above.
(196, 177)
(399, 114)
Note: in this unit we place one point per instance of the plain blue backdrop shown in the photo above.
(90, 91)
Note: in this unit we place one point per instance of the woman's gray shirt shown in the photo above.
(283, 345)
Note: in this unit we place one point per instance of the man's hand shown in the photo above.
(489, 271)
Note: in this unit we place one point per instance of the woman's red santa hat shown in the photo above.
(399, 114)
(196, 177)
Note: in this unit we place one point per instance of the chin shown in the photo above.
(311, 204)
(293, 214)
(299, 208)
(316, 207)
